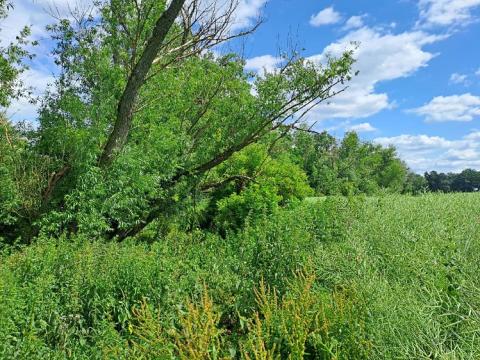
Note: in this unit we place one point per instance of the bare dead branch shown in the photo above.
(309, 130)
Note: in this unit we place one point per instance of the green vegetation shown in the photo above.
(142, 125)
(349, 167)
(466, 181)
(169, 204)
(141, 129)
(375, 278)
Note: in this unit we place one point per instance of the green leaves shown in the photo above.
(23, 177)
(350, 166)
(12, 64)
(193, 112)
(254, 182)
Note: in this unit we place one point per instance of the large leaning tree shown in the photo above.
(143, 109)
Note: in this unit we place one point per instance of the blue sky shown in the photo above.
(419, 62)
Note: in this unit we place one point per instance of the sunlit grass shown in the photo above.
(389, 277)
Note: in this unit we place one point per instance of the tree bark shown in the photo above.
(126, 105)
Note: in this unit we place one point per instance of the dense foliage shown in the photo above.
(350, 166)
(169, 204)
(142, 125)
(466, 181)
(392, 277)
(128, 138)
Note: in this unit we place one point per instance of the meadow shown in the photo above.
(386, 277)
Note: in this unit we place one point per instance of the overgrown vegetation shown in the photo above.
(391, 277)
(169, 204)
(349, 167)
(143, 121)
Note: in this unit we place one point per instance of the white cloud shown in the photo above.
(262, 64)
(447, 12)
(38, 81)
(463, 107)
(425, 153)
(363, 127)
(381, 56)
(22, 110)
(37, 14)
(327, 16)
(457, 78)
(247, 12)
(354, 22)
(477, 72)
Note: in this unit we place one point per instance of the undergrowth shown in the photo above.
(392, 277)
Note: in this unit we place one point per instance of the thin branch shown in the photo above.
(55, 177)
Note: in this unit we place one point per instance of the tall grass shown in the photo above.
(392, 277)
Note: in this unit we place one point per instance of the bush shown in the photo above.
(274, 182)
(76, 297)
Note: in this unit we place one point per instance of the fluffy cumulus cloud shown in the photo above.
(327, 16)
(463, 107)
(264, 63)
(381, 56)
(247, 13)
(37, 80)
(425, 153)
(363, 127)
(447, 12)
(37, 14)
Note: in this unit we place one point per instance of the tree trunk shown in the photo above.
(125, 109)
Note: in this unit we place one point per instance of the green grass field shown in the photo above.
(393, 277)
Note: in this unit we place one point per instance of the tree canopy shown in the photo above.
(144, 122)
(143, 115)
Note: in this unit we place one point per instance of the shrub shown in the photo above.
(307, 323)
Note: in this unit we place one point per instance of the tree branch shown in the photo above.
(210, 186)
(55, 177)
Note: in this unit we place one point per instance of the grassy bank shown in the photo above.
(392, 277)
